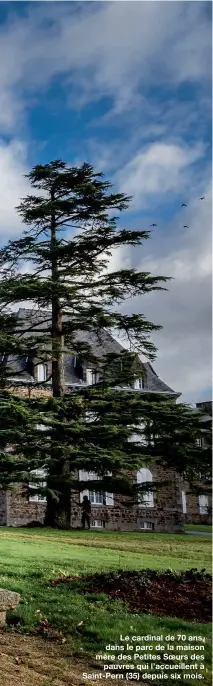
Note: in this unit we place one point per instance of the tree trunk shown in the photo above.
(57, 513)
(57, 337)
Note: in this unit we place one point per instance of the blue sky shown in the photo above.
(127, 87)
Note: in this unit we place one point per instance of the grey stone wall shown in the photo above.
(3, 508)
(22, 512)
(166, 515)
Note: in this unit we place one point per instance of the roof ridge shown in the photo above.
(46, 312)
(153, 370)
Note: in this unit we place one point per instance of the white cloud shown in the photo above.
(185, 310)
(158, 169)
(13, 186)
(115, 49)
(103, 49)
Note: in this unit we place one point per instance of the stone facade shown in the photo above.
(4, 521)
(165, 515)
(196, 510)
(168, 513)
(168, 510)
(19, 511)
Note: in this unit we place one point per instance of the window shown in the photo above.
(203, 504)
(184, 508)
(78, 369)
(4, 357)
(94, 497)
(37, 497)
(138, 437)
(92, 377)
(139, 384)
(199, 442)
(97, 524)
(42, 372)
(145, 499)
(148, 526)
(97, 498)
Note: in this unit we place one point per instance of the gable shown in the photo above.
(101, 343)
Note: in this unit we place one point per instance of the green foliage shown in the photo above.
(71, 232)
(76, 198)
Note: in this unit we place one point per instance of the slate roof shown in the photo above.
(205, 416)
(100, 344)
(154, 383)
(17, 368)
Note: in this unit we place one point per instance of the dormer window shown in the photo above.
(4, 358)
(78, 369)
(92, 377)
(139, 384)
(42, 372)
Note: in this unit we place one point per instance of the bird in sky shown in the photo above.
(185, 227)
(153, 224)
(183, 205)
(203, 198)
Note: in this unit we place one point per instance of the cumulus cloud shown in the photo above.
(123, 51)
(102, 49)
(13, 186)
(158, 169)
(185, 310)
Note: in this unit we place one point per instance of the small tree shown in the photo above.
(71, 281)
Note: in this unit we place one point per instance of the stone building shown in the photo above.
(161, 510)
(198, 509)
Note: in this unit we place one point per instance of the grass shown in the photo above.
(198, 527)
(159, 551)
(29, 558)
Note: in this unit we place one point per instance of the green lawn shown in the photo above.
(198, 527)
(29, 558)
